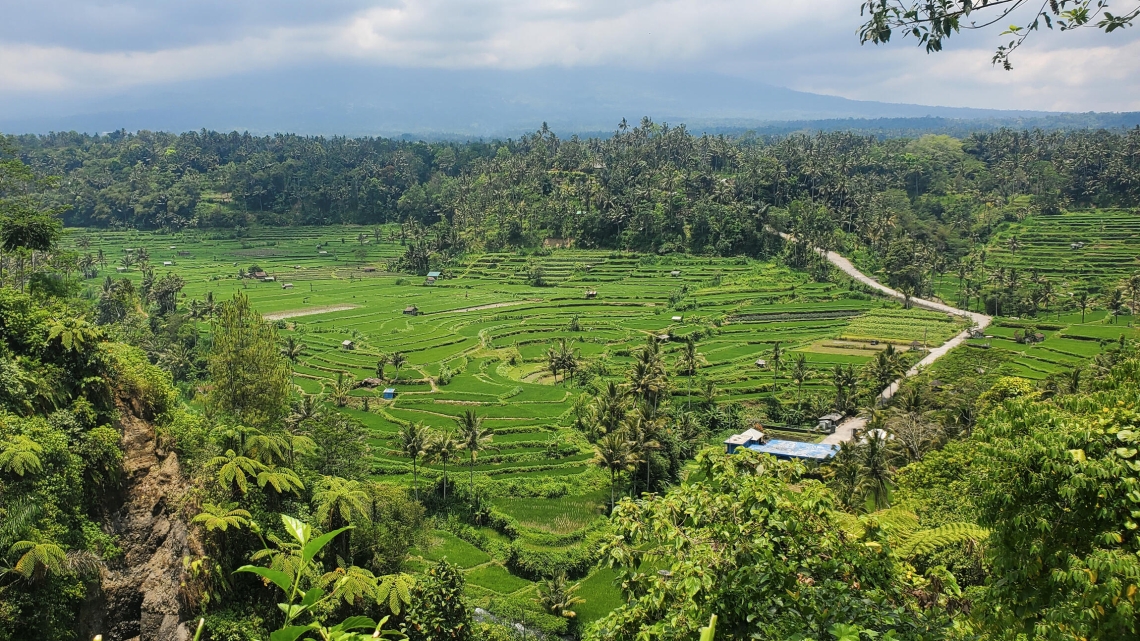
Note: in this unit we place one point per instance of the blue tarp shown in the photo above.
(796, 449)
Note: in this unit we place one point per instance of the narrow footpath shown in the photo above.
(846, 430)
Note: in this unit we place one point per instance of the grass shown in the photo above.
(445, 545)
(496, 578)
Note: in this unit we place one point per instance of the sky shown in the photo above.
(78, 50)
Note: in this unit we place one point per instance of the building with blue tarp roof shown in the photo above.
(796, 449)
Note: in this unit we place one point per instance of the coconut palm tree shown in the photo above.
(556, 596)
(398, 360)
(473, 437)
(800, 370)
(613, 453)
(381, 362)
(293, 350)
(222, 517)
(777, 360)
(1082, 299)
(612, 406)
(687, 363)
(442, 449)
(642, 442)
(340, 390)
(414, 441)
(875, 469)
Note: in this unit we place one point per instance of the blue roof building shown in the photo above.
(796, 450)
(433, 274)
(389, 393)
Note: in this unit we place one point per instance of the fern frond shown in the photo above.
(927, 541)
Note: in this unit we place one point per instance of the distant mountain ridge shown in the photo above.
(473, 103)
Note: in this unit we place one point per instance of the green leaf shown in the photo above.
(297, 528)
(312, 596)
(354, 623)
(290, 633)
(845, 632)
(314, 546)
(279, 578)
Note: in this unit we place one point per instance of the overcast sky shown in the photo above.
(92, 48)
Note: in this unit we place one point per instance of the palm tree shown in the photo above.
(613, 452)
(473, 436)
(339, 393)
(442, 449)
(307, 408)
(339, 503)
(21, 455)
(414, 441)
(293, 350)
(222, 517)
(612, 407)
(687, 362)
(1134, 289)
(556, 596)
(398, 360)
(642, 443)
(777, 360)
(553, 362)
(381, 361)
(875, 470)
(1116, 303)
(800, 370)
(1082, 302)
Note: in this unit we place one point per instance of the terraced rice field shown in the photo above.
(486, 323)
(1068, 343)
(1110, 251)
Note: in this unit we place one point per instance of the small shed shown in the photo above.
(590, 293)
(1077, 245)
(761, 363)
(269, 279)
(750, 436)
(433, 274)
(828, 422)
(368, 269)
(412, 310)
(167, 263)
(347, 344)
(389, 393)
(675, 273)
(430, 280)
(260, 275)
(322, 252)
(286, 285)
(677, 319)
(173, 247)
(664, 338)
(120, 269)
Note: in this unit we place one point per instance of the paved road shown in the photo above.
(846, 430)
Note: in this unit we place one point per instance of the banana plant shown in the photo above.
(301, 603)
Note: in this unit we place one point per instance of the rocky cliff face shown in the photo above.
(139, 596)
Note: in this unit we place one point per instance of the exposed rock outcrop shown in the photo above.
(139, 596)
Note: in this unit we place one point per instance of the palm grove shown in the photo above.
(918, 532)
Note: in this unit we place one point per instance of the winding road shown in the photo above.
(846, 430)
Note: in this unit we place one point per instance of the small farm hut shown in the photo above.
(259, 275)
(167, 263)
(590, 293)
(368, 269)
(828, 422)
(412, 310)
(347, 344)
(677, 319)
(286, 285)
(675, 273)
(433, 274)
(389, 393)
(761, 363)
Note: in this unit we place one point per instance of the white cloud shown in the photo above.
(807, 45)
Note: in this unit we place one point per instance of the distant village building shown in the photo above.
(757, 441)
(347, 344)
(412, 310)
(828, 422)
